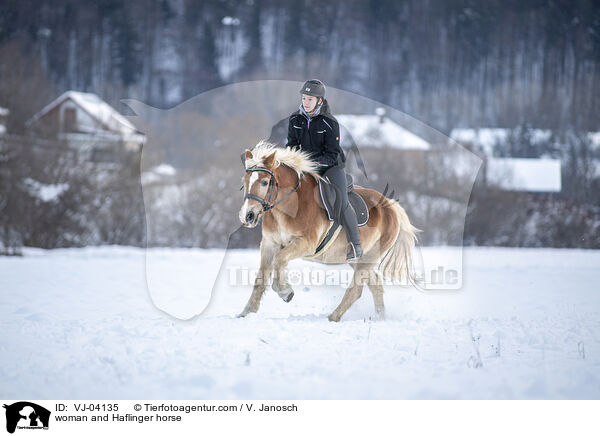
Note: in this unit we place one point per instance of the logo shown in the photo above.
(26, 415)
(307, 89)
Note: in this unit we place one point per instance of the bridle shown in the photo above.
(266, 201)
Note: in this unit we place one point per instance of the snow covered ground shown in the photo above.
(81, 324)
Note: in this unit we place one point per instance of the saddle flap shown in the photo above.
(332, 205)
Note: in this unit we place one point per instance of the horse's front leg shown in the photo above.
(297, 248)
(267, 252)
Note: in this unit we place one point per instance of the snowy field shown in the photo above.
(81, 324)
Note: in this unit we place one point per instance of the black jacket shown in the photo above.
(319, 136)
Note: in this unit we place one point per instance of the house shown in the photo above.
(88, 125)
(536, 175)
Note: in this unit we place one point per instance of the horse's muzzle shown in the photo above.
(250, 216)
(250, 219)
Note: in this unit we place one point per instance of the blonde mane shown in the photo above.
(297, 160)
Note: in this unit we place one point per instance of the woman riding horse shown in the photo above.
(281, 187)
(314, 130)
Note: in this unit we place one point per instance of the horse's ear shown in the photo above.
(248, 154)
(270, 161)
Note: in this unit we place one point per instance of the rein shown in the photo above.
(266, 201)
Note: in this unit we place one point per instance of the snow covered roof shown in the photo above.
(487, 138)
(369, 131)
(95, 107)
(531, 175)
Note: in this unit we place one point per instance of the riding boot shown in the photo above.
(354, 248)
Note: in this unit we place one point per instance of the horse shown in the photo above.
(281, 186)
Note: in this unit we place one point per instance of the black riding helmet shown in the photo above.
(313, 87)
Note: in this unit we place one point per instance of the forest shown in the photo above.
(448, 63)
(518, 65)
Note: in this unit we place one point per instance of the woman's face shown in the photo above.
(309, 102)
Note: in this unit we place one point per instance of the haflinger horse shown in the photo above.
(281, 186)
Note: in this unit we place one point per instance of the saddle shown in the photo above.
(333, 207)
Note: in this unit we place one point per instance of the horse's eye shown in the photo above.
(264, 183)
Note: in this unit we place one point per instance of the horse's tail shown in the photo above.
(397, 262)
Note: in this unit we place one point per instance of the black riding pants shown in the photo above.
(337, 176)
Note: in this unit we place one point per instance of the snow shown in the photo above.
(594, 138)
(232, 45)
(81, 324)
(45, 191)
(368, 131)
(158, 173)
(164, 170)
(3, 113)
(517, 174)
(230, 21)
(595, 167)
(539, 135)
(488, 138)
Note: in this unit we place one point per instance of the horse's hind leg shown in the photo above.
(376, 287)
(352, 294)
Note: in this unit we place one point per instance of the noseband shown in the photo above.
(266, 201)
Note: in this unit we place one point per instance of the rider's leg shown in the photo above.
(350, 224)
(337, 176)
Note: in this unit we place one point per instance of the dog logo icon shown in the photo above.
(26, 415)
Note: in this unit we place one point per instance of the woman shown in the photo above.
(313, 129)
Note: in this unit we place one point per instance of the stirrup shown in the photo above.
(353, 251)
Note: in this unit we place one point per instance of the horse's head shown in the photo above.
(260, 189)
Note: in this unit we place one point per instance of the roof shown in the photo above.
(517, 174)
(368, 131)
(95, 107)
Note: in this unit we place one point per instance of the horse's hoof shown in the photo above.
(333, 318)
(289, 297)
(245, 313)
